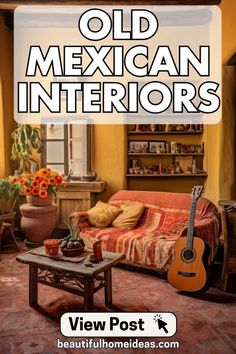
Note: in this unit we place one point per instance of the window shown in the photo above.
(67, 148)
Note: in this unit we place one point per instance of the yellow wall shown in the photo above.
(219, 147)
(7, 123)
(228, 129)
(221, 137)
(108, 151)
(109, 142)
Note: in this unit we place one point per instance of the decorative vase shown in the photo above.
(37, 201)
(38, 222)
(51, 246)
(138, 128)
(153, 127)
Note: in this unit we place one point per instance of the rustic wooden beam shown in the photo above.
(10, 5)
(232, 60)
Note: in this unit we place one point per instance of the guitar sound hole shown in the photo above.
(188, 255)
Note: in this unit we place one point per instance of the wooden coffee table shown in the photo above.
(73, 277)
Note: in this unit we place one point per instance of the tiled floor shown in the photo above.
(206, 322)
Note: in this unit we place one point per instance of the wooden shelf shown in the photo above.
(164, 175)
(81, 186)
(195, 132)
(164, 154)
(132, 178)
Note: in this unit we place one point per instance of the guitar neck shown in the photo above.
(191, 224)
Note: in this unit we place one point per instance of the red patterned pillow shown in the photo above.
(172, 223)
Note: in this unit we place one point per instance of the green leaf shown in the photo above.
(28, 130)
(22, 137)
(40, 149)
(26, 139)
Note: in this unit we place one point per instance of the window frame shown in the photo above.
(67, 145)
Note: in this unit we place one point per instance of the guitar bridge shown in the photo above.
(187, 274)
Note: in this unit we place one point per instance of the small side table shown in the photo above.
(228, 218)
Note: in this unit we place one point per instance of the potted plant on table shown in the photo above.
(39, 214)
(72, 245)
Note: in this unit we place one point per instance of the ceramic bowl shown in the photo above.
(72, 252)
(89, 178)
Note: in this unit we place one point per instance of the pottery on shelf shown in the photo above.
(89, 177)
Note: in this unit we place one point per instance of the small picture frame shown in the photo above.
(138, 146)
(156, 146)
(185, 163)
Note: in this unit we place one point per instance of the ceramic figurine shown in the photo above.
(153, 127)
(167, 128)
(138, 128)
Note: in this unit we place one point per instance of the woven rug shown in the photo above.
(206, 323)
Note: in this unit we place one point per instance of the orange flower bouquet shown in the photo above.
(42, 183)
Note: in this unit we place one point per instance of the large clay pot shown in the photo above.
(37, 201)
(37, 223)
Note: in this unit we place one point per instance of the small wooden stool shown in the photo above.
(8, 227)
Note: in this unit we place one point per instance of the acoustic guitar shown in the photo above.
(189, 272)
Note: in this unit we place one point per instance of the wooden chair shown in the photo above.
(7, 225)
(228, 219)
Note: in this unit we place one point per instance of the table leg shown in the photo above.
(88, 294)
(224, 275)
(33, 285)
(108, 287)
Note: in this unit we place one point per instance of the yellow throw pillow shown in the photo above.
(102, 214)
(129, 216)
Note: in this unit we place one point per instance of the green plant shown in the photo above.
(26, 139)
(73, 228)
(10, 190)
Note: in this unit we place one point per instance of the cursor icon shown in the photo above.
(162, 325)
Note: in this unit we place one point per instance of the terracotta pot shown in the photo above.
(37, 201)
(51, 246)
(37, 223)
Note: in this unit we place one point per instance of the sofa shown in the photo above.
(164, 219)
